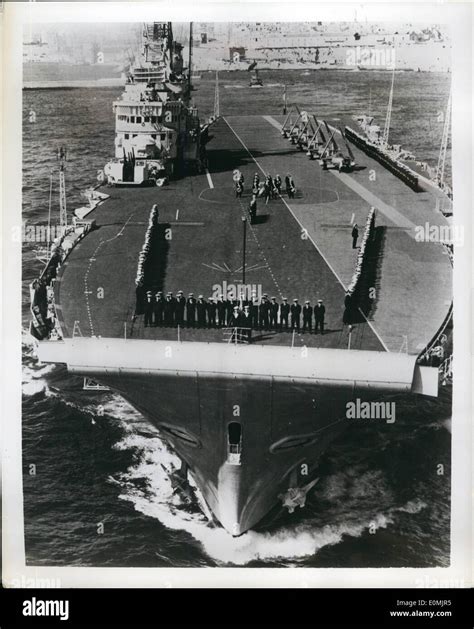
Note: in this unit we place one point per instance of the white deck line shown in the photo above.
(209, 179)
(306, 231)
(387, 210)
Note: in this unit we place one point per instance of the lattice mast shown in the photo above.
(389, 113)
(62, 158)
(444, 143)
(216, 97)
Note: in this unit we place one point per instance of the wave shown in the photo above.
(148, 487)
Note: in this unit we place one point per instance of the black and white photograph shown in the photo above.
(238, 240)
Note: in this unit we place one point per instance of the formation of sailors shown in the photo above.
(269, 188)
(257, 314)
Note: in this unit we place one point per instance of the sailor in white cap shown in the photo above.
(295, 311)
(191, 310)
(180, 303)
(273, 314)
(284, 313)
(307, 316)
(319, 313)
(148, 308)
(158, 308)
(201, 308)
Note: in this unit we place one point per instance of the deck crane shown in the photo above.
(291, 122)
(333, 156)
(317, 142)
(306, 130)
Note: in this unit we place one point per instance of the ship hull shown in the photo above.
(248, 422)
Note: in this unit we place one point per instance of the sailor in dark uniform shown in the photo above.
(239, 188)
(179, 308)
(191, 310)
(221, 311)
(211, 312)
(245, 322)
(319, 313)
(140, 298)
(253, 310)
(355, 235)
(158, 308)
(273, 315)
(307, 316)
(235, 319)
(253, 208)
(278, 184)
(348, 309)
(262, 313)
(148, 308)
(201, 308)
(295, 312)
(169, 309)
(290, 186)
(284, 313)
(229, 311)
(256, 183)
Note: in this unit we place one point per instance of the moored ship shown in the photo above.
(249, 420)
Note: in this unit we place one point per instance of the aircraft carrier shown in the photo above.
(248, 407)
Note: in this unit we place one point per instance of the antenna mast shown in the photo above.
(62, 158)
(389, 113)
(216, 97)
(190, 57)
(444, 143)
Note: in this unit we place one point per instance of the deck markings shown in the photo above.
(306, 231)
(209, 179)
(87, 292)
(177, 215)
(387, 210)
(273, 122)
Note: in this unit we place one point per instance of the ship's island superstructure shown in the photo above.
(248, 406)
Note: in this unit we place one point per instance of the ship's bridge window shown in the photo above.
(132, 118)
(147, 118)
(139, 119)
(126, 136)
(153, 119)
(163, 136)
(234, 443)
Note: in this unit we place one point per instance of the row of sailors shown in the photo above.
(270, 188)
(152, 222)
(264, 314)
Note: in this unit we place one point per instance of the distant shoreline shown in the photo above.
(119, 82)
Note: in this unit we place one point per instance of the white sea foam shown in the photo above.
(412, 506)
(157, 500)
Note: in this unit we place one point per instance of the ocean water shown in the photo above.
(101, 495)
